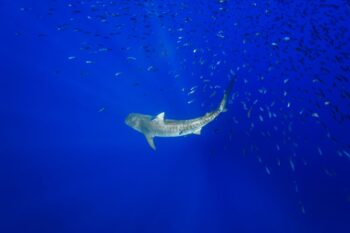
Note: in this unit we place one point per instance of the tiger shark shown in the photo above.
(158, 126)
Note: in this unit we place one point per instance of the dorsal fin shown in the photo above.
(159, 117)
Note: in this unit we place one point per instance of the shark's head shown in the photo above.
(141, 123)
(136, 121)
(133, 120)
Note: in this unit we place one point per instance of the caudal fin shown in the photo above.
(222, 106)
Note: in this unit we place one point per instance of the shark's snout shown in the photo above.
(132, 120)
(128, 120)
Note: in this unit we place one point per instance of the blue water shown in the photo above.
(277, 161)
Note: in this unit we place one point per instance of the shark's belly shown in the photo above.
(174, 134)
(175, 130)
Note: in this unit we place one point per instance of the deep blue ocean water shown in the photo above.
(277, 161)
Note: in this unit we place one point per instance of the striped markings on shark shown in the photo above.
(158, 126)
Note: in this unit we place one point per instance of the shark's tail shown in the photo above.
(222, 106)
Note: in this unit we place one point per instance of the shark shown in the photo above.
(157, 126)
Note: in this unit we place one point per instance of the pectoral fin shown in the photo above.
(150, 142)
(198, 131)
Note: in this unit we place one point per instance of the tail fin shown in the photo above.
(222, 106)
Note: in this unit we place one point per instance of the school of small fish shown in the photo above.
(291, 75)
